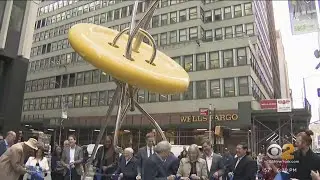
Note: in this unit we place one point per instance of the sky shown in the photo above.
(301, 62)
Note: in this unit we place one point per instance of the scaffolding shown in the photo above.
(268, 125)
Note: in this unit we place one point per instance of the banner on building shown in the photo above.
(281, 105)
(303, 16)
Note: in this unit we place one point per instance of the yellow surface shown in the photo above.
(91, 42)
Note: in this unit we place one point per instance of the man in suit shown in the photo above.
(228, 160)
(144, 153)
(244, 167)
(214, 161)
(154, 166)
(127, 168)
(7, 142)
(172, 164)
(72, 159)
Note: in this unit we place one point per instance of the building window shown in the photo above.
(249, 29)
(228, 32)
(102, 98)
(79, 79)
(43, 104)
(88, 77)
(155, 21)
(193, 33)
(173, 18)
(49, 103)
(110, 96)
(173, 37)
(229, 87)
(227, 58)
(227, 13)
(208, 35)
(243, 86)
(214, 61)
(201, 88)
(177, 60)
(37, 104)
(86, 100)
(218, 34)
(188, 95)
(182, 35)
(208, 16)
(241, 56)
(26, 105)
(77, 100)
(175, 97)
(248, 9)
(215, 90)
(237, 11)
(156, 40)
(163, 98)
(96, 76)
(70, 101)
(141, 96)
(217, 15)
(164, 3)
(164, 19)
(103, 77)
(182, 15)
(152, 97)
(239, 30)
(193, 13)
(56, 103)
(188, 63)
(163, 39)
(200, 62)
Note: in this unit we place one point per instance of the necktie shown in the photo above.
(150, 149)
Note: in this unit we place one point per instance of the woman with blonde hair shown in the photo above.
(193, 167)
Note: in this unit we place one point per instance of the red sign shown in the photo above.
(204, 111)
(268, 104)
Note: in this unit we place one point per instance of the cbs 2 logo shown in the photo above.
(285, 153)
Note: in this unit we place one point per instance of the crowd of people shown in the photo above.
(152, 162)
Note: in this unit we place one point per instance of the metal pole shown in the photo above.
(214, 126)
(210, 123)
(304, 92)
(291, 128)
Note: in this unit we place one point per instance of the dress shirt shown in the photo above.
(72, 152)
(209, 161)
(6, 143)
(148, 151)
(239, 159)
(127, 161)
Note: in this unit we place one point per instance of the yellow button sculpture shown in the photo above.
(93, 43)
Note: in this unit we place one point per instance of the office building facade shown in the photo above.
(16, 30)
(217, 42)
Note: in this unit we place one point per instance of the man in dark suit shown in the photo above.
(214, 161)
(144, 153)
(72, 158)
(228, 160)
(127, 168)
(172, 164)
(154, 166)
(7, 142)
(244, 167)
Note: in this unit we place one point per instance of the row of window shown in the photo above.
(102, 3)
(157, 21)
(90, 7)
(217, 88)
(197, 62)
(181, 35)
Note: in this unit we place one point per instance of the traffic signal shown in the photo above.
(218, 131)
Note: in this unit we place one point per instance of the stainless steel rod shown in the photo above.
(119, 116)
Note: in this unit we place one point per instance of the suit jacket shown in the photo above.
(3, 147)
(78, 158)
(216, 166)
(172, 164)
(12, 163)
(185, 168)
(129, 169)
(142, 156)
(154, 168)
(246, 169)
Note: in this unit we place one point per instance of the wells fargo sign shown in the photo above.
(218, 117)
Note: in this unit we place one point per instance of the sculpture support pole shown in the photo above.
(119, 115)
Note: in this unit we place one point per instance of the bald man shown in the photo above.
(7, 142)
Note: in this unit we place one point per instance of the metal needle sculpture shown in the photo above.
(167, 77)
